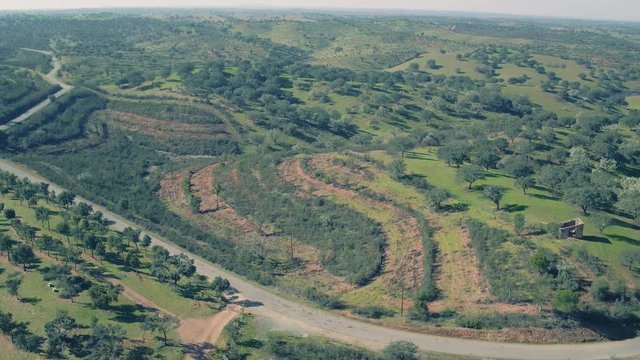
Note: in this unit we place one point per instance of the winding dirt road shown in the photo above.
(52, 78)
(284, 314)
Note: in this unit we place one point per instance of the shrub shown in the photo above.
(373, 312)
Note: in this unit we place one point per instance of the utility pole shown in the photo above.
(402, 301)
(291, 246)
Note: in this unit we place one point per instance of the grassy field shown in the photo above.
(38, 304)
(447, 64)
(634, 102)
(538, 205)
(564, 69)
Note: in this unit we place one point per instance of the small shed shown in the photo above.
(572, 229)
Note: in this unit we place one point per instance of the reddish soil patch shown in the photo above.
(202, 187)
(397, 268)
(165, 128)
(171, 188)
(199, 330)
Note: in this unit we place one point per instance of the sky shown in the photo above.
(591, 9)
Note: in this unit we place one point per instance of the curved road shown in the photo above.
(284, 314)
(52, 78)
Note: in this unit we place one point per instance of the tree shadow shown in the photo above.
(597, 239)
(198, 351)
(126, 313)
(417, 155)
(249, 303)
(611, 329)
(624, 224)
(626, 239)
(543, 196)
(454, 208)
(30, 300)
(514, 207)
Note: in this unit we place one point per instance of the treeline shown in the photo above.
(351, 245)
(166, 111)
(20, 91)
(192, 200)
(63, 120)
(220, 144)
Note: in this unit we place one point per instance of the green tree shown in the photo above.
(486, 157)
(397, 169)
(13, 283)
(23, 254)
(400, 145)
(525, 182)
(132, 259)
(400, 350)
(585, 197)
(146, 242)
(43, 215)
(519, 223)
(601, 221)
(454, 154)
(58, 330)
(630, 203)
(106, 342)
(65, 199)
(64, 229)
(470, 174)
(220, 285)
(599, 289)
(565, 302)
(161, 323)
(5, 245)
(9, 213)
(103, 295)
(437, 196)
(420, 309)
(540, 261)
(494, 194)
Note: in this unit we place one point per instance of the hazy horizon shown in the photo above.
(626, 10)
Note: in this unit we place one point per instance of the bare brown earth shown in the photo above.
(163, 128)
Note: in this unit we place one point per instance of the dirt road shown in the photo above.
(52, 78)
(288, 315)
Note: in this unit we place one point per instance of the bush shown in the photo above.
(282, 346)
(373, 312)
(401, 350)
(326, 301)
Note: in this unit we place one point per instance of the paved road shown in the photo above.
(52, 78)
(288, 315)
